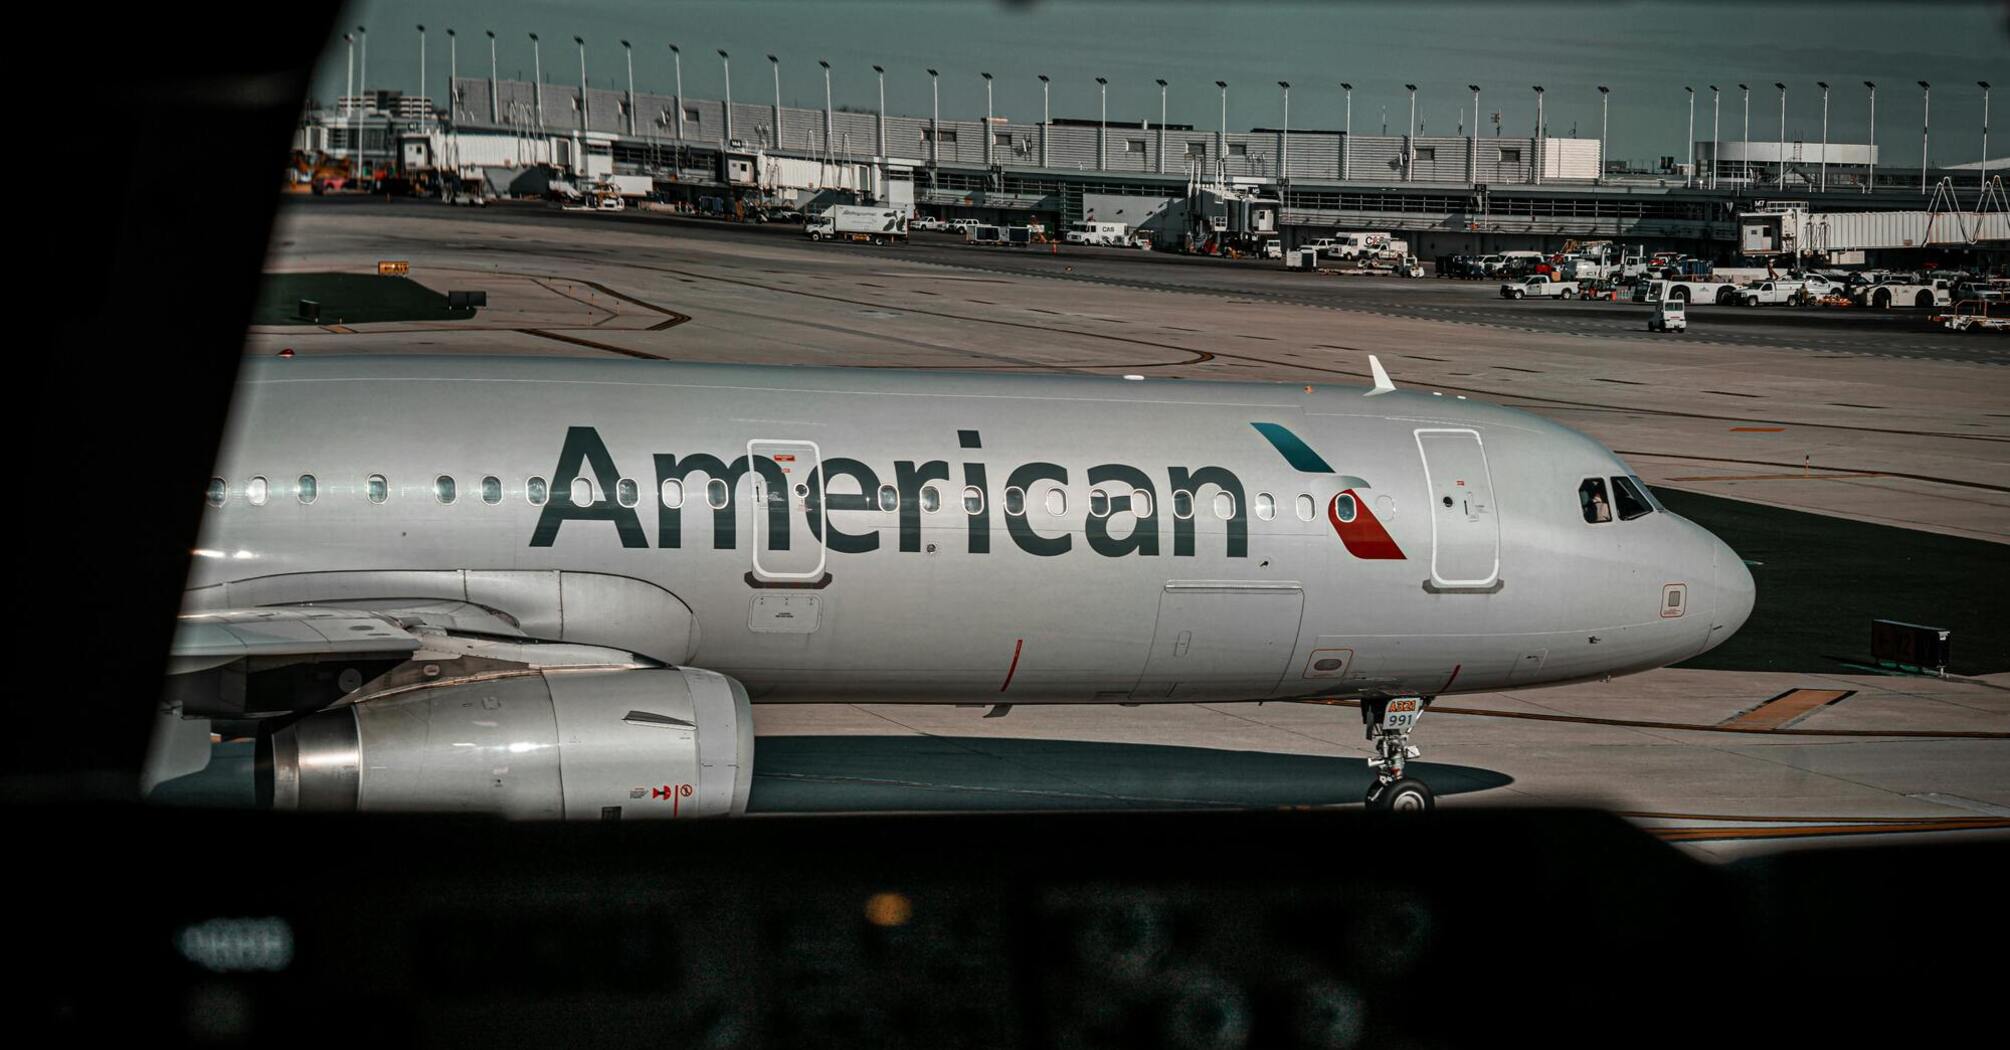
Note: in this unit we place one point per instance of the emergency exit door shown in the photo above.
(1465, 528)
(785, 522)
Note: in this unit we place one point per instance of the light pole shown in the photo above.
(349, 102)
(1473, 153)
(1823, 84)
(934, 120)
(1870, 180)
(827, 108)
(1347, 132)
(880, 72)
(581, 41)
(1604, 113)
(987, 118)
(1221, 154)
(422, 63)
(628, 55)
(677, 86)
(776, 65)
(453, 97)
(362, 81)
(1160, 125)
(1783, 135)
(1715, 99)
(1925, 126)
(1690, 160)
(1046, 115)
(494, 102)
(1102, 123)
(726, 66)
(1745, 161)
(1410, 138)
(536, 78)
(1535, 147)
(1284, 142)
(1984, 85)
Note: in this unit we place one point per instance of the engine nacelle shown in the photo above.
(578, 745)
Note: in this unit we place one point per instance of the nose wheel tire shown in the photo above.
(1401, 796)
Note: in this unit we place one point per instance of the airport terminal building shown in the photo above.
(1445, 194)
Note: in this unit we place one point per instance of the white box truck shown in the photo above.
(849, 222)
(1107, 234)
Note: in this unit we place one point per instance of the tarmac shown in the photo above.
(1861, 461)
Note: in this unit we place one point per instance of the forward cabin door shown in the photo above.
(1465, 527)
(1221, 640)
(794, 552)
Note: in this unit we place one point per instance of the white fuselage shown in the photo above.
(1347, 546)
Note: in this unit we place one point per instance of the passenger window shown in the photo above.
(536, 491)
(1224, 506)
(1304, 505)
(889, 498)
(308, 488)
(1015, 501)
(1345, 507)
(931, 499)
(1628, 500)
(1266, 506)
(1591, 499)
(582, 492)
(255, 492)
(216, 492)
(1182, 505)
(673, 493)
(973, 500)
(492, 490)
(443, 488)
(626, 493)
(717, 494)
(377, 488)
(1057, 502)
(1099, 503)
(1141, 503)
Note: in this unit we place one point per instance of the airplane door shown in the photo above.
(1465, 528)
(794, 552)
(1221, 640)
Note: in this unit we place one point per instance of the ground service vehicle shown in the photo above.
(1670, 315)
(1539, 286)
(1773, 293)
(1107, 234)
(1938, 291)
(1975, 315)
(850, 222)
(1660, 288)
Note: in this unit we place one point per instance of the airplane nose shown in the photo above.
(1735, 593)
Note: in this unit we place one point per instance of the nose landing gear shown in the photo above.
(1390, 720)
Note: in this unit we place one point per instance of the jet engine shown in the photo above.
(538, 744)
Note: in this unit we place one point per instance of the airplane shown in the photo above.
(551, 588)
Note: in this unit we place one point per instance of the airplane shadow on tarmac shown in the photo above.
(865, 774)
(812, 774)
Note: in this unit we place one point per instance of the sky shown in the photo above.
(1645, 52)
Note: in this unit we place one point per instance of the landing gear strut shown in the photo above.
(1390, 720)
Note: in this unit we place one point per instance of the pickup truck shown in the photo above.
(1539, 286)
(1773, 293)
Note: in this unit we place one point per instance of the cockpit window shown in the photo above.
(1632, 502)
(1591, 499)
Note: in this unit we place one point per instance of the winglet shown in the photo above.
(1382, 384)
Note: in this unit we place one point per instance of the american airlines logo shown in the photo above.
(584, 454)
